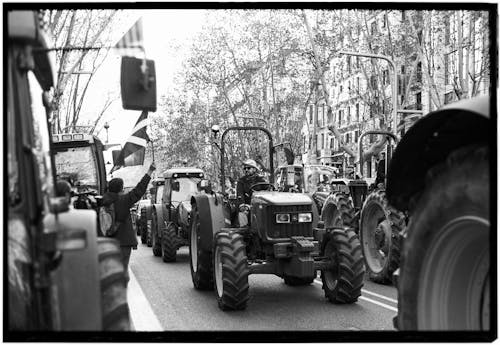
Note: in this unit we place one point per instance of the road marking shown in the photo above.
(378, 303)
(368, 299)
(141, 313)
(379, 296)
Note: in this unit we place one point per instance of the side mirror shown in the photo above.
(176, 186)
(138, 84)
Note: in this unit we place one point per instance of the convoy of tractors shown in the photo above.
(426, 229)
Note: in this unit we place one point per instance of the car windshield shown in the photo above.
(187, 187)
(78, 166)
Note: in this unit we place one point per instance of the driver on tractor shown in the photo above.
(244, 190)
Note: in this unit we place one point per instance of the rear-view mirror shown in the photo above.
(138, 84)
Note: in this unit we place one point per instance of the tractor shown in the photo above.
(377, 223)
(171, 212)
(281, 239)
(147, 220)
(440, 175)
(53, 250)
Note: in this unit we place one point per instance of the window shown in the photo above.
(311, 114)
(356, 136)
(419, 72)
(348, 117)
(385, 77)
(373, 82)
(322, 141)
(340, 117)
(349, 64)
(446, 69)
(357, 82)
(357, 112)
(373, 28)
(332, 143)
(446, 30)
(418, 96)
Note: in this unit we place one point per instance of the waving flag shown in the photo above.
(132, 42)
(135, 147)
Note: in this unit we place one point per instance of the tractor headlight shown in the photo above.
(282, 218)
(305, 217)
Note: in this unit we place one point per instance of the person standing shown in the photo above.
(125, 233)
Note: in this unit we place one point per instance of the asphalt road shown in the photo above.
(165, 299)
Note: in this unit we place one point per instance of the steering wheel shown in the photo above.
(261, 186)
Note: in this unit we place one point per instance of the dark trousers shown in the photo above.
(126, 258)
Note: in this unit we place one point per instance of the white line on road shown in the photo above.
(369, 299)
(141, 313)
(379, 296)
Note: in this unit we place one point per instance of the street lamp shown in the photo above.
(106, 127)
(394, 84)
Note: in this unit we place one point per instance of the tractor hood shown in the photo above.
(281, 198)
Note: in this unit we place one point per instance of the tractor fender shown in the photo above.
(211, 215)
(77, 277)
(161, 216)
(327, 211)
(430, 140)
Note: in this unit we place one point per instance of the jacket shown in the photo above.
(243, 187)
(123, 202)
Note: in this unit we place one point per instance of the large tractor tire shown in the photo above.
(155, 238)
(115, 311)
(444, 283)
(200, 260)
(295, 281)
(169, 243)
(339, 211)
(230, 271)
(143, 226)
(380, 235)
(342, 283)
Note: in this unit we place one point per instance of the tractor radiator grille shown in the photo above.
(289, 229)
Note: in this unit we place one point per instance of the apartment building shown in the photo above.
(441, 57)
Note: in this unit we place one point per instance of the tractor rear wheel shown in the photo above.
(230, 271)
(155, 238)
(380, 236)
(444, 283)
(295, 281)
(200, 260)
(143, 226)
(169, 243)
(343, 282)
(115, 311)
(339, 211)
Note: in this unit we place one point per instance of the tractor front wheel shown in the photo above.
(444, 282)
(155, 238)
(115, 311)
(343, 282)
(143, 226)
(169, 243)
(200, 260)
(230, 271)
(380, 236)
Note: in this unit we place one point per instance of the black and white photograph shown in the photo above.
(250, 172)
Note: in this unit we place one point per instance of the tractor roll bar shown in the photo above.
(360, 143)
(249, 128)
